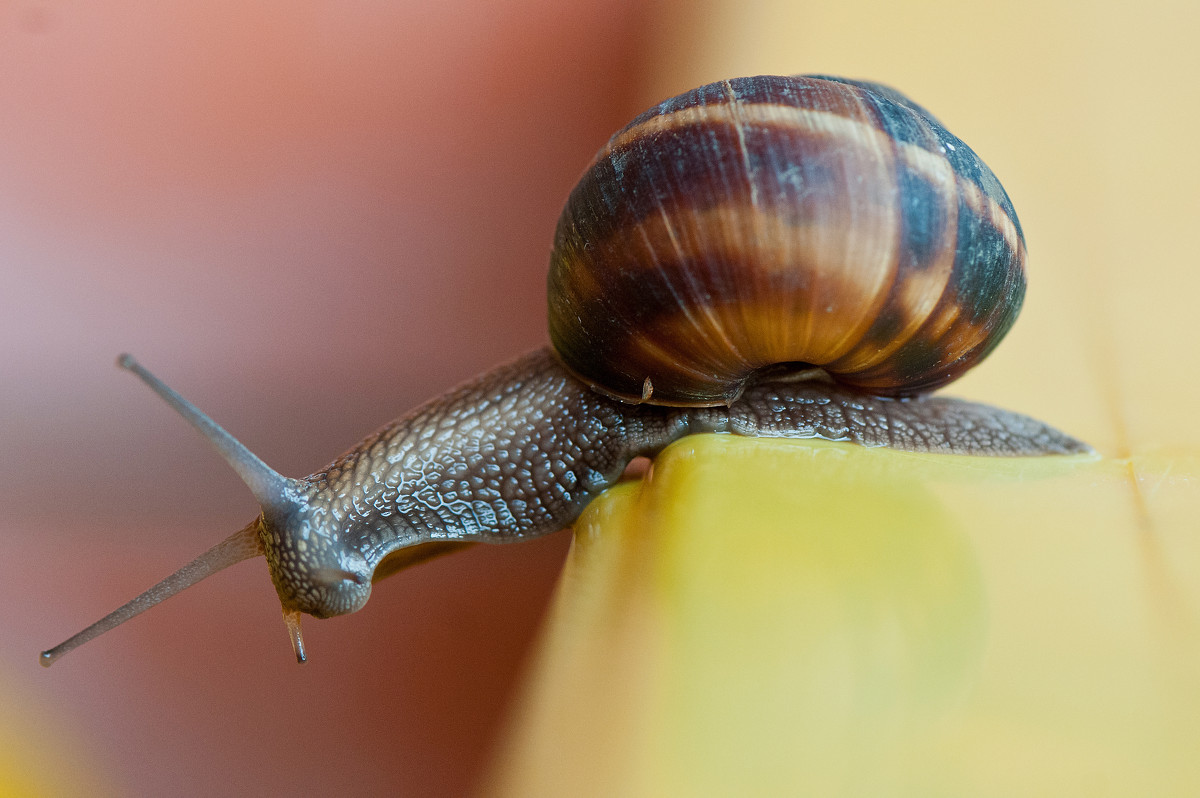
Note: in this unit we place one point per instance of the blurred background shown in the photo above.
(310, 216)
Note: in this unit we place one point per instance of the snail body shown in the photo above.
(776, 257)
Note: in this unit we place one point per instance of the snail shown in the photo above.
(771, 256)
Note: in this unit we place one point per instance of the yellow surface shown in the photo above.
(788, 617)
(755, 622)
(40, 754)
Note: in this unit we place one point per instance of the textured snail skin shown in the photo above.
(773, 219)
(521, 450)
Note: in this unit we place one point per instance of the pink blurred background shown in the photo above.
(308, 217)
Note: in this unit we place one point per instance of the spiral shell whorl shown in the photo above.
(769, 220)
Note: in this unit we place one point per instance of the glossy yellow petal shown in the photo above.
(783, 618)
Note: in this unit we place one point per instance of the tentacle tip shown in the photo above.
(47, 658)
(126, 361)
(291, 618)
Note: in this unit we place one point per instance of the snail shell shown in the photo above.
(809, 221)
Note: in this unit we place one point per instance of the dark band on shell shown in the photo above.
(770, 220)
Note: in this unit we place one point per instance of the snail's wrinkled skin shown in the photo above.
(521, 450)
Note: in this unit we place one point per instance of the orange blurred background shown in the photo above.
(308, 217)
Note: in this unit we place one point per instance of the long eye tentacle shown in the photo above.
(241, 545)
(269, 487)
